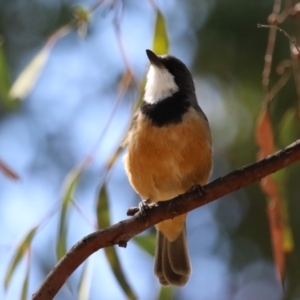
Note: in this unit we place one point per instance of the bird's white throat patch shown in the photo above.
(160, 85)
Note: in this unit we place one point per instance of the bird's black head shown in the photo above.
(169, 91)
(182, 75)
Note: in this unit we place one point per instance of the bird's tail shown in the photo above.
(172, 264)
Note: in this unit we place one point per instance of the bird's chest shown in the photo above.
(165, 161)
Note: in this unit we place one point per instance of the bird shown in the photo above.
(169, 151)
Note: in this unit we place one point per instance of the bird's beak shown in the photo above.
(154, 59)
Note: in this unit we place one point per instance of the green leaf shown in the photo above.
(82, 17)
(20, 252)
(289, 127)
(61, 246)
(166, 293)
(84, 283)
(69, 186)
(288, 131)
(81, 14)
(26, 282)
(147, 243)
(28, 77)
(112, 257)
(103, 218)
(113, 158)
(282, 179)
(161, 40)
(5, 82)
(4, 79)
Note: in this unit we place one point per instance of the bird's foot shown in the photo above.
(143, 207)
(199, 189)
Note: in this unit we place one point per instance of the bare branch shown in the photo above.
(270, 49)
(123, 231)
(292, 41)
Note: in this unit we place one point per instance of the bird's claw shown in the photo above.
(143, 207)
(199, 189)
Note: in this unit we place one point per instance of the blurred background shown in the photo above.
(60, 144)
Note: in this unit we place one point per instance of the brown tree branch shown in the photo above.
(123, 231)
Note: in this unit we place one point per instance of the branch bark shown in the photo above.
(123, 231)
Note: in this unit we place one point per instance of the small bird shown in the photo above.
(169, 152)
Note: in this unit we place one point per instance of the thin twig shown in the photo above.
(292, 41)
(279, 85)
(282, 16)
(295, 21)
(123, 231)
(269, 52)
